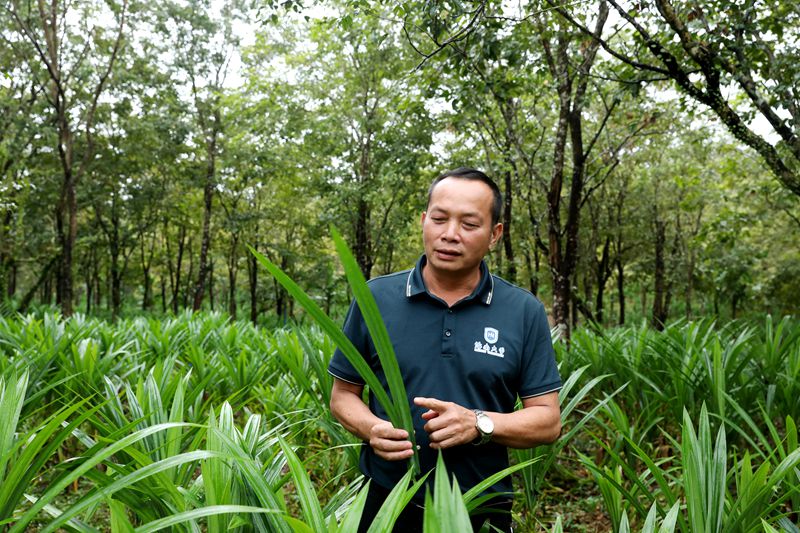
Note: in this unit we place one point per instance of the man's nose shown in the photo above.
(451, 231)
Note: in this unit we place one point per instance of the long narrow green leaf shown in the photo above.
(445, 512)
(353, 516)
(72, 525)
(330, 328)
(119, 517)
(399, 412)
(380, 337)
(194, 514)
(12, 396)
(309, 502)
(395, 502)
(473, 492)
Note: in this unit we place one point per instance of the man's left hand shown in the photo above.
(449, 424)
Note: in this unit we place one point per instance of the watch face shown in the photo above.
(485, 424)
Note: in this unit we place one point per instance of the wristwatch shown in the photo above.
(485, 427)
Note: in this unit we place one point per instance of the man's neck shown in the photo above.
(453, 287)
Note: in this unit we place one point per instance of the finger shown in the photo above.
(449, 442)
(434, 425)
(385, 445)
(431, 403)
(428, 415)
(387, 431)
(441, 435)
(395, 456)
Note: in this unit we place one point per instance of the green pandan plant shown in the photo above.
(395, 402)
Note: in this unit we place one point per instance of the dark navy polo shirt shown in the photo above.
(482, 353)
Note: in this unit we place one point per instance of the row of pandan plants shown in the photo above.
(199, 423)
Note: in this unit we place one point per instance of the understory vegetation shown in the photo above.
(200, 423)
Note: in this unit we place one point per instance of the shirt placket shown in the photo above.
(449, 333)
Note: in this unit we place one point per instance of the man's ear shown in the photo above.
(497, 232)
(422, 217)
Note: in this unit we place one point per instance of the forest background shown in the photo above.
(648, 152)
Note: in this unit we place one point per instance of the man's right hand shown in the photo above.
(390, 443)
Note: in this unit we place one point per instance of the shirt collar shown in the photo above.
(415, 285)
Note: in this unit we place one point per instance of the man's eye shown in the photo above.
(470, 225)
(438, 220)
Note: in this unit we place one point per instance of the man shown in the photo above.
(467, 343)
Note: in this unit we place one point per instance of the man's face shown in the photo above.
(457, 228)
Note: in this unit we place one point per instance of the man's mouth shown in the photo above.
(447, 254)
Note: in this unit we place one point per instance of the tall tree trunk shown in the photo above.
(279, 303)
(232, 272)
(252, 271)
(561, 284)
(7, 262)
(211, 284)
(175, 277)
(187, 290)
(45, 22)
(362, 247)
(620, 289)
(42, 282)
(508, 248)
(602, 273)
(163, 294)
(208, 199)
(11, 287)
(98, 288)
(89, 279)
(116, 271)
(659, 272)
(690, 266)
(563, 240)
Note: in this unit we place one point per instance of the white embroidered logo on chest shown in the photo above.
(490, 335)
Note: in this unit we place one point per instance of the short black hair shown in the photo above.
(466, 173)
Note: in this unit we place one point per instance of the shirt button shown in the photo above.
(447, 333)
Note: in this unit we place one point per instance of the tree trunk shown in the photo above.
(175, 274)
(11, 287)
(362, 247)
(232, 272)
(279, 304)
(280, 293)
(43, 281)
(98, 288)
(147, 261)
(508, 248)
(89, 279)
(211, 284)
(163, 294)
(50, 50)
(208, 199)
(603, 273)
(690, 283)
(187, 291)
(7, 262)
(621, 289)
(116, 271)
(563, 241)
(252, 270)
(561, 284)
(659, 296)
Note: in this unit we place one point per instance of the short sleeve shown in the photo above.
(356, 330)
(539, 370)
